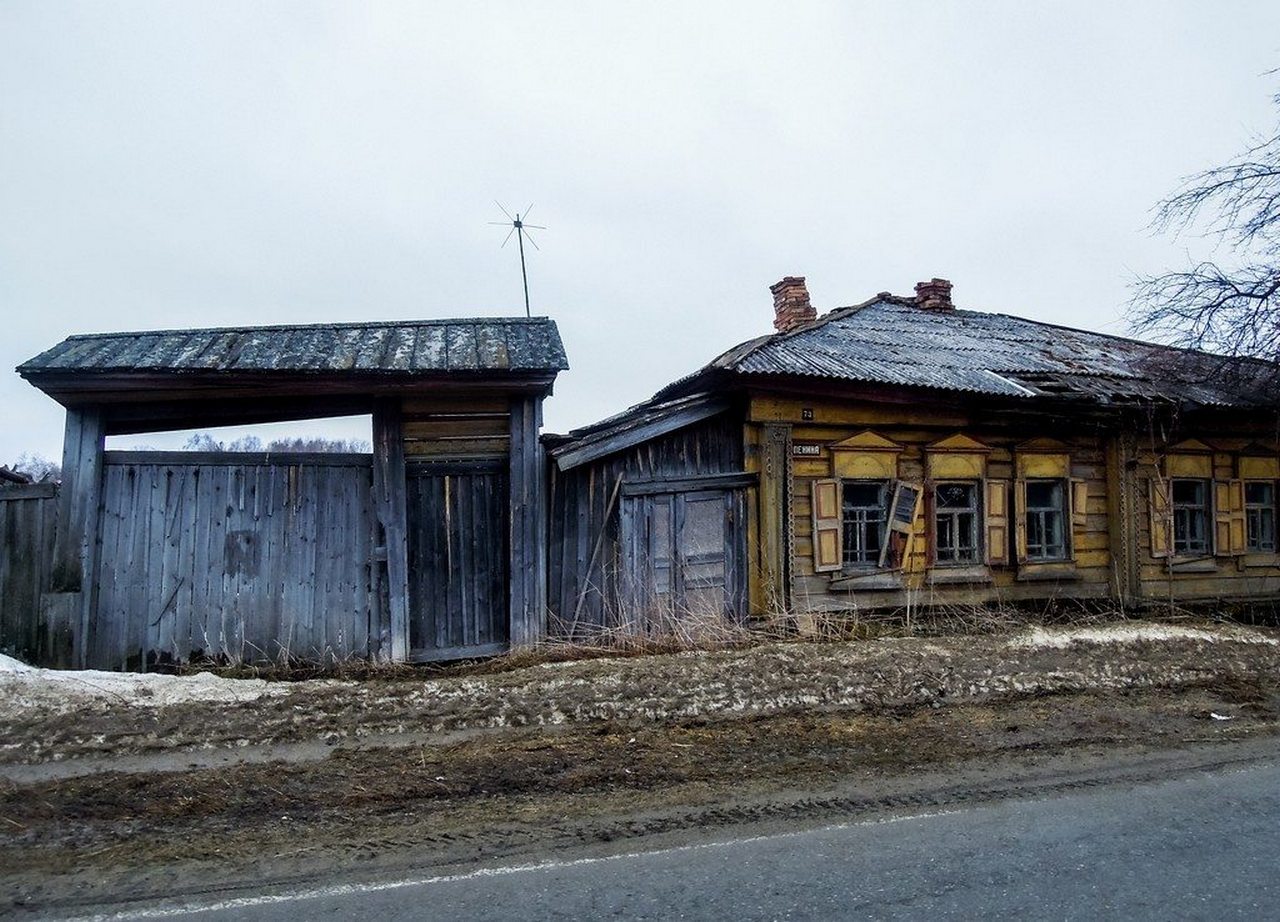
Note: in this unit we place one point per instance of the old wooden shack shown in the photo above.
(431, 547)
(904, 452)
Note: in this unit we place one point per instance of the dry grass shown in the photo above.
(665, 633)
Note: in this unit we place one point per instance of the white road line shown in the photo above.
(316, 893)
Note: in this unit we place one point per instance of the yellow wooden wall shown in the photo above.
(1113, 553)
(914, 428)
(1220, 576)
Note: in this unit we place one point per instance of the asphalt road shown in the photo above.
(1204, 846)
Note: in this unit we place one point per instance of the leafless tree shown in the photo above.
(39, 468)
(1231, 309)
(203, 441)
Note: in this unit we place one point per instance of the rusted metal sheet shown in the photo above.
(477, 344)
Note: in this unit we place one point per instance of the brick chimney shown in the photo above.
(934, 295)
(791, 305)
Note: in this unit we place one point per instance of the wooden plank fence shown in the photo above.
(27, 516)
(236, 557)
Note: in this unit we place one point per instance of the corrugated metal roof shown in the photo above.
(889, 340)
(418, 346)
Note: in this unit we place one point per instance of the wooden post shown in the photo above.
(390, 489)
(73, 574)
(528, 525)
(1122, 511)
(775, 512)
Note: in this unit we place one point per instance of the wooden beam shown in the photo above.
(75, 553)
(689, 484)
(239, 458)
(528, 525)
(389, 490)
(29, 491)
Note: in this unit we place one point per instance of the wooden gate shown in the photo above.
(458, 560)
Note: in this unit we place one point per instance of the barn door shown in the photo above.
(458, 554)
(683, 558)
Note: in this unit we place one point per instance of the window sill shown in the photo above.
(854, 581)
(1260, 559)
(953, 576)
(1192, 565)
(1046, 572)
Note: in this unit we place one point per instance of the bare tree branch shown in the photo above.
(1233, 311)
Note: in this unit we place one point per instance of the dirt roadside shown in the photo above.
(940, 726)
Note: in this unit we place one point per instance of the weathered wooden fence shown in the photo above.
(241, 557)
(27, 515)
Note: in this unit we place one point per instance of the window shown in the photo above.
(1190, 516)
(955, 522)
(862, 523)
(864, 511)
(1046, 520)
(1260, 515)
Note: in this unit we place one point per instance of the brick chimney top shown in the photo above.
(791, 305)
(934, 295)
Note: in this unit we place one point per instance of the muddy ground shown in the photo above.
(305, 779)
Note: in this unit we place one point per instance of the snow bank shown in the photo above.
(23, 686)
(1060, 638)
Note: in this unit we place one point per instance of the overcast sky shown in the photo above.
(185, 164)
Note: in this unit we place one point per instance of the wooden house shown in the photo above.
(431, 547)
(904, 452)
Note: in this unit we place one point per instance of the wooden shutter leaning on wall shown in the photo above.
(1020, 520)
(828, 550)
(1079, 503)
(996, 507)
(1161, 512)
(1230, 533)
(1079, 513)
(904, 506)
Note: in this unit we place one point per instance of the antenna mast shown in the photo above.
(521, 229)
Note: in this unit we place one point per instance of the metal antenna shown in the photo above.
(521, 230)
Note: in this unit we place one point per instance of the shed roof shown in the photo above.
(397, 347)
(890, 340)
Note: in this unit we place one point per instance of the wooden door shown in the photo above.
(458, 560)
(684, 555)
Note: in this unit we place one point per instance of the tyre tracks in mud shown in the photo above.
(551, 796)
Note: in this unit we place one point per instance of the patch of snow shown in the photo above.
(9, 664)
(23, 686)
(1060, 638)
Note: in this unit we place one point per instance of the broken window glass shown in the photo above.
(1260, 515)
(1046, 519)
(956, 523)
(864, 515)
(1190, 516)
